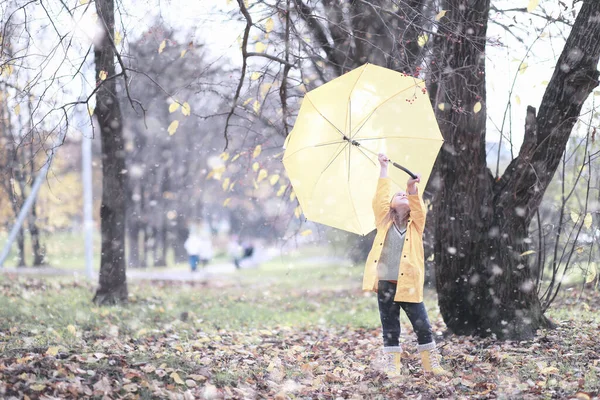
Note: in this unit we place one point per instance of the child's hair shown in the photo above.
(392, 214)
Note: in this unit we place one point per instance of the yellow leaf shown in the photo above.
(262, 174)
(226, 202)
(52, 351)
(225, 184)
(518, 100)
(102, 75)
(256, 106)
(549, 370)
(574, 216)
(545, 83)
(306, 232)
(38, 387)
(5, 69)
(177, 379)
(264, 89)
(255, 184)
(528, 252)
(235, 157)
(442, 106)
(173, 127)
(173, 107)
(186, 109)
(224, 156)
(477, 107)
(255, 167)
(269, 25)
(422, 40)
(72, 330)
(440, 15)
(182, 53)
(90, 110)
(298, 212)
(260, 47)
(281, 190)
(523, 68)
(162, 46)
(83, 2)
(591, 273)
(141, 332)
(255, 76)
(257, 151)
(532, 5)
(274, 179)
(17, 109)
(118, 38)
(587, 222)
(247, 101)
(292, 196)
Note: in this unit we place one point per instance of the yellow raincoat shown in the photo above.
(411, 275)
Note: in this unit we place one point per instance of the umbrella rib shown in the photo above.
(315, 145)
(365, 154)
(375, 109)
(349, 108)
(324, 117)
(350, 194)
(325, 169)
(399, 137)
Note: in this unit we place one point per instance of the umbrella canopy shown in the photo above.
(331, 153)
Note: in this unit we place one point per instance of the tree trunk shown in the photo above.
(133, 231)
(143, 246)
(160, 249)
(113, 281)
(485, 285)
(38, 251)
(34, 231)
(180, 234)
(16, 206)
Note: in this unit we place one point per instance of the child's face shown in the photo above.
(400, 202)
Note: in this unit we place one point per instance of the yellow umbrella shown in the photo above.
(331, 154)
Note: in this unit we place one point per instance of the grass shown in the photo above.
(292, 329)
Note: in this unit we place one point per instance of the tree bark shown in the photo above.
(112, 283)
(38, 251)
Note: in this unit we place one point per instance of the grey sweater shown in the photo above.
(389, 261)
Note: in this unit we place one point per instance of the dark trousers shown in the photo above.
(389, 311)
(194, 260)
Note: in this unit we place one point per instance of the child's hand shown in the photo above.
(383, 160)
(413, 181)
(411, 185)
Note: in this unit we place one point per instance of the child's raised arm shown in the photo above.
(381, 202)
(417, 208)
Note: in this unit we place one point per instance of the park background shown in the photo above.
(207, 94)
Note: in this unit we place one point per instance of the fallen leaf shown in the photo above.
(177, 379)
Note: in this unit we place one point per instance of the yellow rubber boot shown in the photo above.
(393, 362)
(430, 358)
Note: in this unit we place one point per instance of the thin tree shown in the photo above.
(113, 281)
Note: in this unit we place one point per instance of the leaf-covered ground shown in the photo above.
(281, 331)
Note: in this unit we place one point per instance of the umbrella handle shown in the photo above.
(404, 169)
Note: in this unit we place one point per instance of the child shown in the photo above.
(395, 269)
